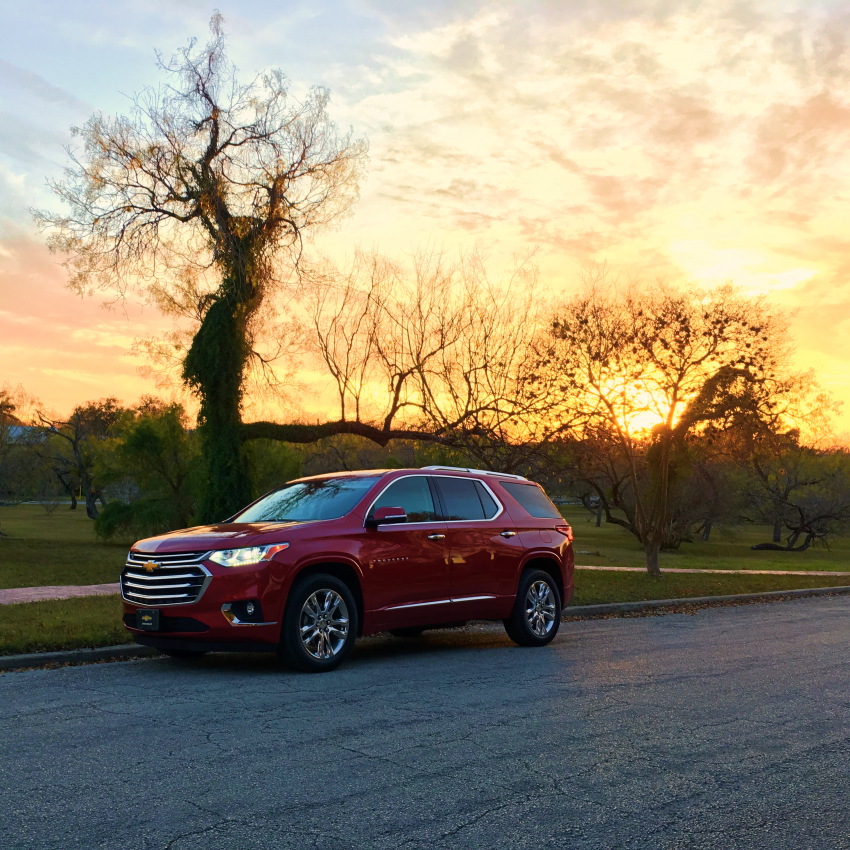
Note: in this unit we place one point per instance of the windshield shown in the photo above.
(302, 501)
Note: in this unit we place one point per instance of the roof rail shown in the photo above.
(480, 471)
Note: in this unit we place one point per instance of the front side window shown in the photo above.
(460, 498)
(533, 499)
(413, 495)
(302, 501)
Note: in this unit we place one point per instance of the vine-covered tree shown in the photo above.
(207, 188)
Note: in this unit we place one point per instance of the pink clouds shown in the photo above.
(63, 348)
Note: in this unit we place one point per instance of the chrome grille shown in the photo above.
(177, 579)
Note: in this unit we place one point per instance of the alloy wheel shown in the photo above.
(324, 624)
(540, 608)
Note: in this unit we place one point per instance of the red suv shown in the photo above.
(307, 568)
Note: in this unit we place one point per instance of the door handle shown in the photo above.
(436, 536)
(508, 534)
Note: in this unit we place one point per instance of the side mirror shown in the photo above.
(387, 516)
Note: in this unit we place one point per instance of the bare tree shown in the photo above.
(213, 184)
(813, 491)
(71, 446)
(650, 366)
(431, 351)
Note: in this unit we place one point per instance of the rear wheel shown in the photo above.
(537, 610)
(319, 624)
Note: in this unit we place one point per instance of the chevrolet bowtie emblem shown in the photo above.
(150, 566)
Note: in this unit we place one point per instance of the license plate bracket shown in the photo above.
(147, 619)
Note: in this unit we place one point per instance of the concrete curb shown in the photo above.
(652, 604)
(75, 656)
(133, 650)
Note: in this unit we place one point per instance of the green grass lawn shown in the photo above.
(61, 624)
(593, 588)
(612, 546)
(96, 620)
(61, 548)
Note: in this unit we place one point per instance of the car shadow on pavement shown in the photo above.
(368, 650)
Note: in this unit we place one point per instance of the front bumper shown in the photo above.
(204, 623)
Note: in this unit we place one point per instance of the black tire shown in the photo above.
(183, 653)
(408, 632)
(519, 624)
(309, 656)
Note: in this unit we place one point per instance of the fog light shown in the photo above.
(250, 608)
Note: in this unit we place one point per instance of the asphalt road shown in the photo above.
(725, 729)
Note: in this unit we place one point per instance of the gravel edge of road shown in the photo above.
(651, 607)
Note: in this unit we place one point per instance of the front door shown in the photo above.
(407, 563)
(484, 550)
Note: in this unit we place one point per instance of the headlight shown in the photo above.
(246, 556)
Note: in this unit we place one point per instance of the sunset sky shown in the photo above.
(689, 142)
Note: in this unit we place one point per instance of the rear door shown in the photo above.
(408, 563)
(484, 549)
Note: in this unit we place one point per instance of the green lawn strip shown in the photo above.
(729, 549)
(593, 588)
(33, 563)
(62, 624)
(30, 522)
(60, 548)
(96, 620)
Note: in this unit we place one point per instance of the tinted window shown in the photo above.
(460, 499)
(487, 501)
(322, 498)
(533, 499)
(411, 493)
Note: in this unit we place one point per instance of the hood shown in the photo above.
(223, 536)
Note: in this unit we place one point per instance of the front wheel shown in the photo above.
(319, 624)
(537, 610)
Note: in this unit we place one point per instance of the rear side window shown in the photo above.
(460, 499)
(487, 501)
(533, 499)
(411, 493)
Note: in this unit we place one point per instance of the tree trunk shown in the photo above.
(214, 369)
(73, 501)
(91, 505)
(652, 552)
(599, 517)
(777, 526)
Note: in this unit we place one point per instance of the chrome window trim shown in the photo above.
(484, 484)
(235, 621)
